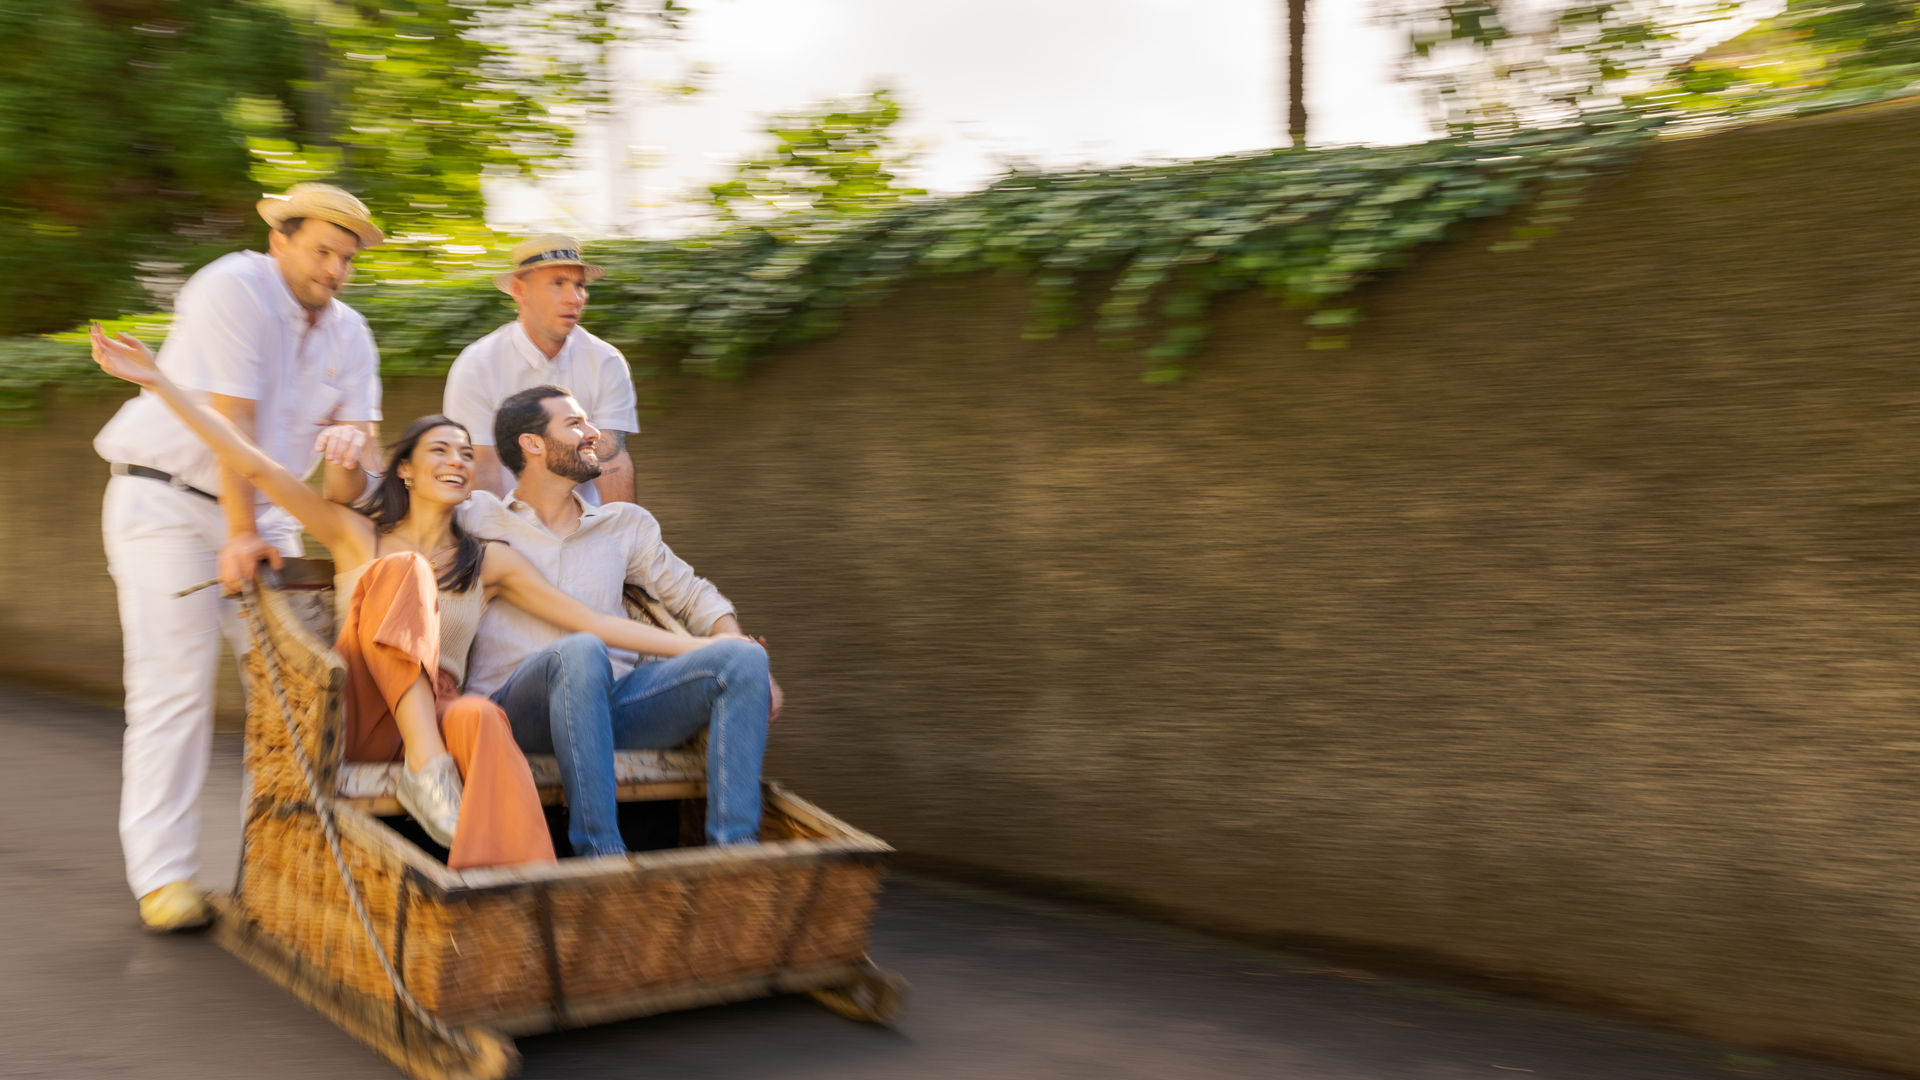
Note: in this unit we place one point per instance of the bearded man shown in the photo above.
(569, 695)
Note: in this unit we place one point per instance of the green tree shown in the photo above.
(135, 135)
(412, 103)
(1838, 50)
(1860, 35)
(839, 159)
(121, 165)
(1493, 67)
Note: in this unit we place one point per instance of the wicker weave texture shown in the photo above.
(312, 676)
(550, 937)
(835, 923)
(635, 927)
(614, 938)
(290, 889)
(471, 954)
(475, 954)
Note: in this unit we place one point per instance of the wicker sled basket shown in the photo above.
(502, 952)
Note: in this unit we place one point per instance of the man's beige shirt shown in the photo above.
(614, 545)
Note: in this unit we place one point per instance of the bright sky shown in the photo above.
(1054, 82)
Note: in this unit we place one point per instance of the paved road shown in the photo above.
(1002, 988)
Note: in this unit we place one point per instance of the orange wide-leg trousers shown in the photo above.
(392, 637)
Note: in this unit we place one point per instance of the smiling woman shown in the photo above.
(435, 455)
(413, 583)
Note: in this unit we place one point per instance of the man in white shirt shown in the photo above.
(567, 694)
(545, 345)
(296, 370)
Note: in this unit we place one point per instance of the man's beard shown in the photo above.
(568, 463)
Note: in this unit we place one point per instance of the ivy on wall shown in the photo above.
(1307, 226)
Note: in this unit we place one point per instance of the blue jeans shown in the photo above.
(564, 700)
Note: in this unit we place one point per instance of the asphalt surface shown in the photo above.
(1002, 987)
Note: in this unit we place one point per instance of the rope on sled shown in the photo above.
(323, 808)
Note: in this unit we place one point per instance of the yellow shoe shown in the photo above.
(175, 906)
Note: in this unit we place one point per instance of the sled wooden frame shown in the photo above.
(503, 952)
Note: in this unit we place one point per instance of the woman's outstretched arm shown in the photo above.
(344, 532)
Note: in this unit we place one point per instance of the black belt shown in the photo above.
(122, 469)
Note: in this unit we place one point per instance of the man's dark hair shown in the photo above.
(525, 413)
(290, 228)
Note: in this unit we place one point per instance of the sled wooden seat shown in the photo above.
(640, 774)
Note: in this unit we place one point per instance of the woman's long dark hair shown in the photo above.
(389, 503)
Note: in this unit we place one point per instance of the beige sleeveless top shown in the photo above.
(459, 618)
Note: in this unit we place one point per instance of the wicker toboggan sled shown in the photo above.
(438, 970)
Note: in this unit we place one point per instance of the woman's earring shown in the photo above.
(407, 480)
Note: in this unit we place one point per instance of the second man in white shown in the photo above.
(545, 345)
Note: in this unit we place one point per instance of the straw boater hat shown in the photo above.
(325, 202)
(535, 252)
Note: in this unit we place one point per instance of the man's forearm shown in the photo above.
(236, 504)
(236, 491)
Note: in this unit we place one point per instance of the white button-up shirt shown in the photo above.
(614, 545)
(507, 361)
(239, 331)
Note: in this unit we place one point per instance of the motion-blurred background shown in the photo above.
(1465, 509)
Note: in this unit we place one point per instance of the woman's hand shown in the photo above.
(125, 357)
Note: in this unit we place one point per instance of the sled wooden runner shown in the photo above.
(438, 970)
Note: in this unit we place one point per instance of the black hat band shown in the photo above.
(551, 256)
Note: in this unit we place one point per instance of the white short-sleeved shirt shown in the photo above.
(505, 362)
(239, 331)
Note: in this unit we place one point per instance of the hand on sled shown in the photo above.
(240, 559)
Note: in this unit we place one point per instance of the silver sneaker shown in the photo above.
(432, 796)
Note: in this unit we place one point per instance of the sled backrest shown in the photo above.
(310, 675)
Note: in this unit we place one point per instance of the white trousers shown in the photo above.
(160, 540)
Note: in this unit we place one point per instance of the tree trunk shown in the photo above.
(1296, 73)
